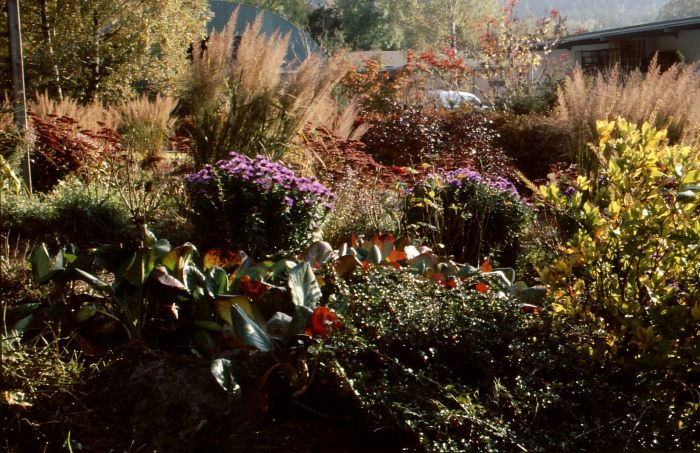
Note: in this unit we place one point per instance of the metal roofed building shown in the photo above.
(633, 47)
(301, 45)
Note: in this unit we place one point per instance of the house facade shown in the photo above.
(633, 47)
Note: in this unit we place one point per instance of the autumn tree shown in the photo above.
(108, 48)
(512, 51)
(437, 23)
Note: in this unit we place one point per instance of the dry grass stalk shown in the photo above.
(257, 102)
(668, 98)
(146, 124)
(91, 117)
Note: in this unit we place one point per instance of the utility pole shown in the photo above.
(19, 97)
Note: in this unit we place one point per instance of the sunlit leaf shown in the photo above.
(319, 253)
(249, 331)
(224, 259)
(222, 370)
(223, 306)
(303, 285)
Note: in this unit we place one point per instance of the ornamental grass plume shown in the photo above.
(248, 97)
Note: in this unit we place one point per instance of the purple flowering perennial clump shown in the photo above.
(265, 174)
(256, 205)
(455, 178)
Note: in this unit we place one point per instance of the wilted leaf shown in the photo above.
(224, 259)
(346, 265)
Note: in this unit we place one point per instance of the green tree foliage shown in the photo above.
(107, 48)
(295, 11)
(369, 24)
(674, 9)
(326, 27)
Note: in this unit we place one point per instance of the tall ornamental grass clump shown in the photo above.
(665, 98)
(469, 214)
(245, 96)
(257, 206)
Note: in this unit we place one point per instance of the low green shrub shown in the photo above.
(469, 214)
(456, 370)
(71, 213)
(534, 142)
(257, 206)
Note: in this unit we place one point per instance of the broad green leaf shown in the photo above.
(299, 319)
(17, 312)
(303, 285)
(86, 312)
(249, 332)
(508, 272)
(211, 326)
(94, 282)
(223, 306)
(218, 280)
(375, 254)
(41, 264)
(140, 266)
(22, 324)
(222, 370)
(179, 257)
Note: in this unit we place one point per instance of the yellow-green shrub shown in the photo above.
(632, 267)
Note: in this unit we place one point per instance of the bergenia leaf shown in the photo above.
(319, 253)
(249, 332)
(41, 264)
(222, 370)
(94, 282)
(303, 286)
(161, 275)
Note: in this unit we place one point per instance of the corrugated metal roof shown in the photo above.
(300, 43)
(666, 27)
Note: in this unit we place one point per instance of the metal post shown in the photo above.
(19, 97)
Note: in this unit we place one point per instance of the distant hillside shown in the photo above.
(596, 14)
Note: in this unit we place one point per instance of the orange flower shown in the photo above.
(481, 287)
(322, 322)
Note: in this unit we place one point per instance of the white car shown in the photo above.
(454, 99)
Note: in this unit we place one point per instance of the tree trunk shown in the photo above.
(46, 34)
(95, 75)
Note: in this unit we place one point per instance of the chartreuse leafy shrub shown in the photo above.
(256, 205)
(632, 268)
(469, 214)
